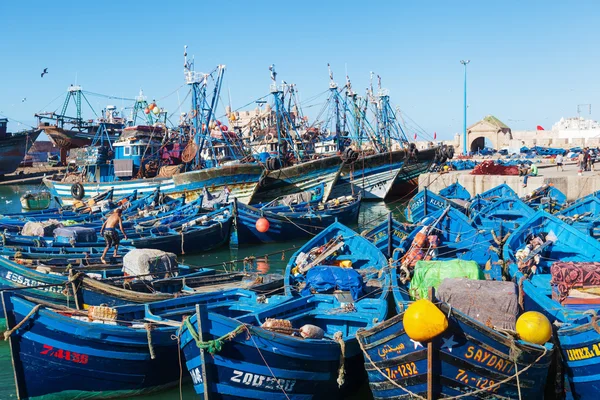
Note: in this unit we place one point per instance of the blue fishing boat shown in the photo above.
(503, 216)
(299, 349)
(583, 215)
(448, 235)
(546, 197)
(338, 249)
(455, 191)
(126, 351)
(456, 362)
(202, 233)
(296, 223)
(308, 198)
(498, 192)
(481, 201)
(531, 251)
(425, 203)
(389, 235)
(468, 359)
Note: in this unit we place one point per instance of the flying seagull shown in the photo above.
(45, 72)
(23, 100)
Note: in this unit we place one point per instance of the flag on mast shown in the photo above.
(415, 135)
(434, 135)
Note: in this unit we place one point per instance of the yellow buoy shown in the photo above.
(534, 327)
(423, 321)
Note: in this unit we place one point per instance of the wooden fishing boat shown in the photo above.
(546, 197)
(425, 203)
(13, 146)
(583, 215)
(296, 223)
(448, 235)
(576, 313)
(467, 359)
(200, 234)
(480, 201)
(300, 177)
(375, 175)
(338, 247)
(503, 216)
(265, 359)
(126, 351)
(308, 198)
(389, 235)
(455, 191)
(36, 200)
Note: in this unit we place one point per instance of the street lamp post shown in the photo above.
(465, 150)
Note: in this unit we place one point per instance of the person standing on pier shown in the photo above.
(581, 162)
(559, 162)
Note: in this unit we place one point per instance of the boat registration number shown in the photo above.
(262, 381)
(21, 280)
(64, 354)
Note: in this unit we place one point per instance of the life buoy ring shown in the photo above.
(77, 191)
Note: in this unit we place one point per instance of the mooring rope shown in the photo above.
(216, 345)
(20, 324)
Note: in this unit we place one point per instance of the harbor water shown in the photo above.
(371, 214)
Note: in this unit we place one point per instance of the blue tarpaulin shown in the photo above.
(328, 278)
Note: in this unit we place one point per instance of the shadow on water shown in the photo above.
(371, 214)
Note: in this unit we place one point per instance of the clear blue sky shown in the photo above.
(532, 62)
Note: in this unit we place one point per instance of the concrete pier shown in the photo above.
(567, 181)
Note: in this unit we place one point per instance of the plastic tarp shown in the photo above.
(212, 201)
(45, 228)
(431, 273)
(77, 234)
(149, 263)
(493, 303)
(322, 279)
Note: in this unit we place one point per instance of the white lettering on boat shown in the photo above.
(196, 376)
(21, 280)
(262, 381)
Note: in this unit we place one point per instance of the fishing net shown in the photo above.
(489, 167)
(43, 229)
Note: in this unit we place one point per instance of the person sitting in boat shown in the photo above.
(109, 230)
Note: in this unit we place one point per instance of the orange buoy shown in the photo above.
(262, 266)
(262, 225)
(146, 110)
(151, 106)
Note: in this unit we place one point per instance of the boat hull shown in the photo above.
(195, 240)
(73, 139)
(299, 178)
(13, 149)
(468, 358)
(375, 176)
(290, 225)
(258, 364)
(62, 190)
(240, 179)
